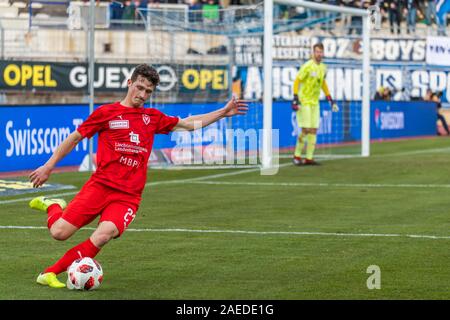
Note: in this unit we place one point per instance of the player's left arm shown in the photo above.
(233, 107)
(334, 106)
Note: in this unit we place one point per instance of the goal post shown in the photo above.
(365, 65)
(240, 51)
(267, 152)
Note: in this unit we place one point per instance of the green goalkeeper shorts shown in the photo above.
(308, 117)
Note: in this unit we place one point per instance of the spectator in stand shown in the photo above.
(411, 12)
(346, 18)
(430, 12)
(116, 9)
(166, 1)
(428, 95)
(278, 11)
(195, 10)
(330, 23)
(142, 5)
(387, 94)
(421, 19)
(442, 24)
(379, 94)
(356, 21)
(129, 13)
(394, 12)
(436, 97)
(211, 11)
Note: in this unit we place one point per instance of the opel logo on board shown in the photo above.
(167, 78)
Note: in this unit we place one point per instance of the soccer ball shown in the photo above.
(84, 274)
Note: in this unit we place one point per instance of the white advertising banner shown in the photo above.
(438, 51)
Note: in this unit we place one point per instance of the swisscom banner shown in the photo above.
(29, 136)
(388, 120)
(185, 81)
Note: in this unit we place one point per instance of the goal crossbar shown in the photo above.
(324, 7)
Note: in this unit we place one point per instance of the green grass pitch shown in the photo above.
(304, 233)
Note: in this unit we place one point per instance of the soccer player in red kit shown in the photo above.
(125, 137)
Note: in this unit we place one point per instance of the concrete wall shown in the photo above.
(110, 45)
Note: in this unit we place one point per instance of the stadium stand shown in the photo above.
(30, 28)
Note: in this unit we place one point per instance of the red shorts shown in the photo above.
(97, 199)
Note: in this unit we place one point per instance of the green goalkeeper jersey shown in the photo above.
(311, 76)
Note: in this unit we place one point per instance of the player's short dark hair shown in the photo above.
(147, 72)
(318, 45)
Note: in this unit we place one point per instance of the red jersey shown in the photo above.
(125, 141)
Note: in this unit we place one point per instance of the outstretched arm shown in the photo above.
(334, 106)
(39, 176)
(232, 108)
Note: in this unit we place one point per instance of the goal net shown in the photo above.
(344, 33)
(206, 55)
(194, 51)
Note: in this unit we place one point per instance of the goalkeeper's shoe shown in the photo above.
(49, 279)
(42, 203)
(311, 162)
(297, 161)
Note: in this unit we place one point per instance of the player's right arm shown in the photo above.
(39, 176)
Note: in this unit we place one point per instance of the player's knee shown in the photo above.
(104, 233)
(101, 238)
(59, 233)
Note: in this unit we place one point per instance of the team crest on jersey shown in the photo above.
(146, 118)
(134, 137)
(313, 74)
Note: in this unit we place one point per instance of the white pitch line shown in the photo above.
(30, 198)
(394, 154)
(250, 232)
(321, 184)
(155, 183)
(226, 174)
(408, 153)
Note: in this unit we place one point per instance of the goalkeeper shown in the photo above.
(310, 78)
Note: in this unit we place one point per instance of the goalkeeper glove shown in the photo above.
(295, 103)
(334, 106)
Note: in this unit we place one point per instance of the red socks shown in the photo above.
(54, 212)
(84, 249)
